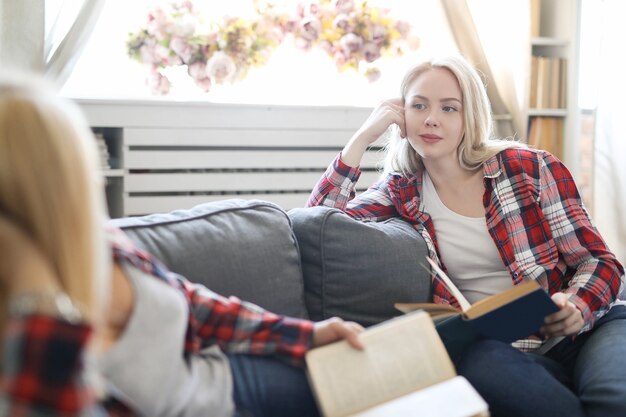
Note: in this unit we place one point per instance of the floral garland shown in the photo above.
(352, 33)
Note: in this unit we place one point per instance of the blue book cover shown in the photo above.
(511, 315)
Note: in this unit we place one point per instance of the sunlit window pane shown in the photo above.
(291, 76)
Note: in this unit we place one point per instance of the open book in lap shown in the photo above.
(511, 315)
(401, 357)
(451, 398)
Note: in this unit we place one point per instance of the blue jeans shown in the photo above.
(267, 387)
(581, 377)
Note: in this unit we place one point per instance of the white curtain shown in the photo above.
(70, 26)
(495, 36)
(610, 145)
(21, 34)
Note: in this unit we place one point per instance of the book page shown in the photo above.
(400, 356)
(432, 309)
(465, 305)
(451, 398)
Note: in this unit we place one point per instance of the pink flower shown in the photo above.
(181, 48)
(378, 34)
(308, 8)
(290, 25)
(158, 24)
(311, 28)
(371, 51)
(403, 27)
(351, 43)
(159, 84)
(340, 58)
(344, 6)
(154, 53)
(185, 26)
(220, 67)
(187, 4)
(197, 70)
(342, 22)
(204, 84)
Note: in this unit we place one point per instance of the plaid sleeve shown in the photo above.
(234, 325)
(337, 187)
(596, 282)
(42, 368)
(242, 327)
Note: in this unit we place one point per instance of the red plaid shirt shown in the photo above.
(534, 215)
(234, 325)
(42, 369)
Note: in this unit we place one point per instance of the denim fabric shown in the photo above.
(267, 387)
(581, 377)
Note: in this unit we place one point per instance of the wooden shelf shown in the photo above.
(113, 173)
(548, 112)
(548, 41)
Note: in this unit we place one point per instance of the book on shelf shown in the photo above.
(508, 316)
(103, 151)
(403, 370)
(546, 133)
(535, 18)
(548, 82)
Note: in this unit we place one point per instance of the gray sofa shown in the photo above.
(309, 262)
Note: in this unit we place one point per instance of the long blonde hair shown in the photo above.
(50, 186)
(477, 145)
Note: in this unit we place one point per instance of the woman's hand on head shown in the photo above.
(388, 113)
(23, 266)
(334, 329)
(568, 321)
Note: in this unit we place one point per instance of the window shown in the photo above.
(291, 76)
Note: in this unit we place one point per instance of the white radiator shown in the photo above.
(177, 155)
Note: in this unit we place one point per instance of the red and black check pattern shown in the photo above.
(42, 369)
(533, 212)
(234, 325)
(43, 374)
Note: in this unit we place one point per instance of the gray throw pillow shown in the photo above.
(235, 247)
(357, 270)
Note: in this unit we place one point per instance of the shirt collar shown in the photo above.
(491, 167)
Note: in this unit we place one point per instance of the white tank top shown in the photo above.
(466, 248)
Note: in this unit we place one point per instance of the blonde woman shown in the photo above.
(494, 214)
(56, 275)
(52, 252)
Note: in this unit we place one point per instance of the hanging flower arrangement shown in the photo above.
(353, 34)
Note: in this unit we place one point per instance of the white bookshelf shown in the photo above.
(559, 37)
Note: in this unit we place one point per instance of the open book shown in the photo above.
(508, 316)
(404, 370)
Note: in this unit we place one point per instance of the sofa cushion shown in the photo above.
(358, 270)
(235, 247)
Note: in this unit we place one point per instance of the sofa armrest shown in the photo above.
(358, 270)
